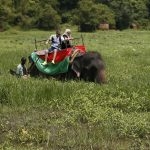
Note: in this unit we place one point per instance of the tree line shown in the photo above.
(87, 14)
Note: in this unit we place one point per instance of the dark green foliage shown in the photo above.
(5, 16)
(128, 12)
(48, 18)
(66, 5)
(85, 13)
(90, 15)
(66, 17)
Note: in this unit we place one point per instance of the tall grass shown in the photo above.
(42, 113)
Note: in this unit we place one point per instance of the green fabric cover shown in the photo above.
(50, 68)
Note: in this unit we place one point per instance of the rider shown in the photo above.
(67, 36)
(56, 41)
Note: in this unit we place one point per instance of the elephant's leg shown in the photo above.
(30, 68)
(89, 74)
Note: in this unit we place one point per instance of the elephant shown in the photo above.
(88, 67)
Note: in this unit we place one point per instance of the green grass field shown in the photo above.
(40, 114)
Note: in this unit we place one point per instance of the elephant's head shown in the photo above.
(89, 67)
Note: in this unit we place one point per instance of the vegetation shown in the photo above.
(44, 114)
(126, 12)
(88, 14)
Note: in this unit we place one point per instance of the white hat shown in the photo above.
(68, 31)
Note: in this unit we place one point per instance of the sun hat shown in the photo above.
(68, 31)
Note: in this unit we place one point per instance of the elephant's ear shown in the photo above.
(76, 67)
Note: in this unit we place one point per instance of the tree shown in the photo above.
(48, 18)
(67, 5)
(129, 11)
(16, 4)
(25, 13)
(5, 14)
(91, 14)
(103, 1)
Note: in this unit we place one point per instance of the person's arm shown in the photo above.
(70, 38)
(48, 40)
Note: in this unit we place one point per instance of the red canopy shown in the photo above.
(62, 54)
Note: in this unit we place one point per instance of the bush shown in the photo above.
(4, 18)
(91, 15)
(48, 18)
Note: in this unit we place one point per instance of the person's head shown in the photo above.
(68, 31)
(58, 33)
(23, 60)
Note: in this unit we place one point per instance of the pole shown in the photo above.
(82, 40)
(35, 42)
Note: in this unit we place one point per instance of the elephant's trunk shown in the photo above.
(101, 77)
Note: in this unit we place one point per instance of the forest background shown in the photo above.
(86, 14)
